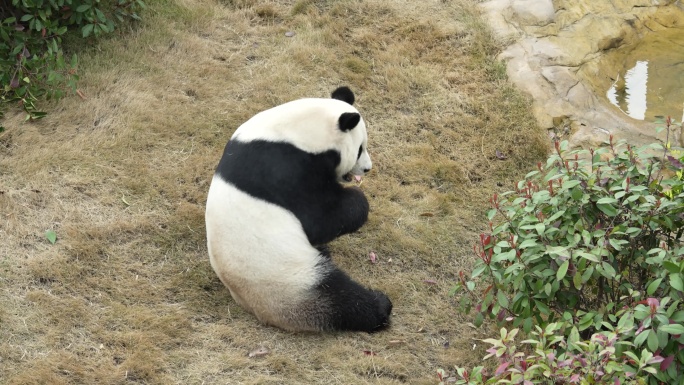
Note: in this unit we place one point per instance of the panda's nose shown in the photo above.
(365, 170)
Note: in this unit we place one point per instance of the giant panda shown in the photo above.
(276, 199)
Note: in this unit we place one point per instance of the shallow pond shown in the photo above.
(647, 79)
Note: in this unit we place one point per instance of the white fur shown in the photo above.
(311, 125)
(270, 245)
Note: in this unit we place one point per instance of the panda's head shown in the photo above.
(316, 125)
(355, 160)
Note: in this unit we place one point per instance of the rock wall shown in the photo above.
(554, 57)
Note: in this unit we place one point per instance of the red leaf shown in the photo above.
(666, 363)
(485, 239)
(369, 352)
(372, 257)
(653, 302)
(675, 162)
(502, 314)
(501, 368)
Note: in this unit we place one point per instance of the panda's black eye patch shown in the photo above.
(360, 152)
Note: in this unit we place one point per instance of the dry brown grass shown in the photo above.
(127, 295)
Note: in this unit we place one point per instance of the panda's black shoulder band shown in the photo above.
(344, 94)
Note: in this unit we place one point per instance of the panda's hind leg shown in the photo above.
(352, 307)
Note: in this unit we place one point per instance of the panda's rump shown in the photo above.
(259, 250)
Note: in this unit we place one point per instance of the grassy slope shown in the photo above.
(127, 295)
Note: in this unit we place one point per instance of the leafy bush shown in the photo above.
(593, 238)
(32, 62)
(557, 360)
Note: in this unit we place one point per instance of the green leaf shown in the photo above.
(87, 29)
(527, 325)
(478, 270)
(502, 299)
(653, 286)
(678, 316)
(615, 243)
(576, 193)
(641, 338)
(51, 236)
(626, 321)
(676, 282)
(82, 8)
(652, 342)
(608, 269)
(573, 337)
(607, 209)
(568, 184)
(589, 256)
(577, 280)
(671, 267)
(562, 270)
(672, 329)
(542, 307)
(586, 320)
(479, 319)
(527, 243)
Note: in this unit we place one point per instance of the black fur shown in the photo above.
(348, 121)
(344, 94)
(352, 306)
(300, 182)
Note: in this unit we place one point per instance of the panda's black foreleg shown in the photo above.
(351, 306)
(352, 210)
(343, 215)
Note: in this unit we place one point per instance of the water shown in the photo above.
(649, 76)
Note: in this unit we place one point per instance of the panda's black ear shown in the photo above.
(348, 121)
(344, 94)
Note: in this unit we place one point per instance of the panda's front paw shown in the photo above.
(383, 311)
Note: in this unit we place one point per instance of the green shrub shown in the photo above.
(32, 62)
(593, 238)
(557, 360)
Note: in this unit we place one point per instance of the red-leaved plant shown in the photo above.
(548, 357)
(595, 239)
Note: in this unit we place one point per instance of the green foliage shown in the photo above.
(555, 359)
(51, 236)
(593, 238)
(32, 61)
